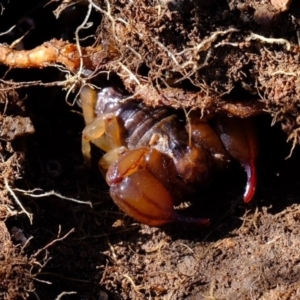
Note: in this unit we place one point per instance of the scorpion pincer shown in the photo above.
(154, 158)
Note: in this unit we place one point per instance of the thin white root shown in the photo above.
(135, 287)
(51, 193)
(23, 210)
(53, 242)
(65, 293)
(8, 31)
(254, 36)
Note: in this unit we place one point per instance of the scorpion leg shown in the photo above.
(109, 158)
(239, 138)
(88, 98)
(104, 131)
(93, 132)
(140, 194)
(95, 126)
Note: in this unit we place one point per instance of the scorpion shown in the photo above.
(154, 158)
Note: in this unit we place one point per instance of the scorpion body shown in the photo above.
(154, 158)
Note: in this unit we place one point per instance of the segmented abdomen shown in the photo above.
(142, 123)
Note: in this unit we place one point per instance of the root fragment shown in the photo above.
(49, 53)
(23, 210)
(254, 36)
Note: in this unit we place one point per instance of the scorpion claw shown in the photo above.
(251, 181)
(242, 145)
(143, 197)
(153, 159)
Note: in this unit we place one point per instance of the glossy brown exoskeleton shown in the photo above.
(153, 158)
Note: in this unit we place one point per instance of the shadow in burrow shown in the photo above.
(57, 145)
(277, 185)
(54, 162)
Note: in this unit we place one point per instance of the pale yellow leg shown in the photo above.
(86, 151)
(88, 99)
(103, 131)
(93, 132)
(110, 157)
(94, 129)
(114, 131)
(102, 143)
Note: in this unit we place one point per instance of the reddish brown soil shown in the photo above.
(248, 252)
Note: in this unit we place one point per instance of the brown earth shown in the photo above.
(223, 57)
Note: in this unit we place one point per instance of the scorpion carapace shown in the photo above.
(154, 159)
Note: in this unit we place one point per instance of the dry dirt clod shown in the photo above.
(282, 5)
(15, 127)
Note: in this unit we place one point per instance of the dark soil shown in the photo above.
(75, 251)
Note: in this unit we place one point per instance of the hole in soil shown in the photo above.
(54, 162)
(58, 138)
